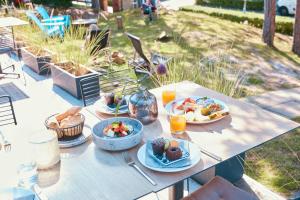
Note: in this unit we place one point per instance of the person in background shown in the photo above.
(149, 7)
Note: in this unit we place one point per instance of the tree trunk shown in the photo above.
(96, 4)
(245, 6)
(269, 22)
(296, 40)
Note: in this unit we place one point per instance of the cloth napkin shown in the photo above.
(152, 162)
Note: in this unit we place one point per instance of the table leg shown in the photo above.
(176, 191)
(13, 37)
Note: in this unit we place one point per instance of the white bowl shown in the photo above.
(117, 143)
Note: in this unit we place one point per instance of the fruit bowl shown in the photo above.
(117, 143)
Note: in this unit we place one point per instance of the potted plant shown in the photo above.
(68, 74)
(36, 59)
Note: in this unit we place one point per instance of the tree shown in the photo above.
(269, 21)
(296, 40)
(96, 4)
(245, 6)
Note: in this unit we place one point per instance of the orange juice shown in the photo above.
(177, 124)
(168, 96)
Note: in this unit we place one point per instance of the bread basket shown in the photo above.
(67, 132)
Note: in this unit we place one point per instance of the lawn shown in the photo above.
(196, 36)
(277, 163)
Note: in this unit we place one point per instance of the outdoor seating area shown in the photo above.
(139, 103)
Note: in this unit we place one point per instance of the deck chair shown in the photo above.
(218, 188)
(46, 18)
(143, 63)
(7, 113)
(50, 29)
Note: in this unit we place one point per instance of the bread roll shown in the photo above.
(72, 111)
(72, 121)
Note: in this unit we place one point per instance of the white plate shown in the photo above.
(168, 108)
(195, 156)
(101, 107)
(86, 133)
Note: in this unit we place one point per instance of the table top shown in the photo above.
(86, 172)
(11, 21)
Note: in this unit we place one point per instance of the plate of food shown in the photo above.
(169, 155)
(112, 104)
(198, 110)
(117, 133)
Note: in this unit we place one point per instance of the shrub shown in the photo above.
(257, 5)
(284, 25)
(54, 3)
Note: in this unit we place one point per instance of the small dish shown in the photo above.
(117, 143)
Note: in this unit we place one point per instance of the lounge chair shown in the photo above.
(51, 29)
(7, 113)
(218, 188)
(143, 63)
(46, 18)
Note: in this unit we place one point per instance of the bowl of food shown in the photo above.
(118, 133)
(68, 124)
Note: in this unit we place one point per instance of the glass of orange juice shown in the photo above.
(168, 96)
(177, 124)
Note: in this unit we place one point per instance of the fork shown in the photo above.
(131, 163)
(6, 144)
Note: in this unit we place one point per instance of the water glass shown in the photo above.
(45, 149)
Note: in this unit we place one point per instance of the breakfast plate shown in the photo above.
(198, 110)
(194, 157)
(101, 107)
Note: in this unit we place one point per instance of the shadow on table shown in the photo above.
(50, 176)
(214, 127)
(34, 75)
(66, 96)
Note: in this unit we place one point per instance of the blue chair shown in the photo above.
(46, 18)
(51, 29)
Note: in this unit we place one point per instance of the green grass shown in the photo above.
(284, 25)
(277, 163)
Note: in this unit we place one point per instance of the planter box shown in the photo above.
(39, 64)
(68, 81)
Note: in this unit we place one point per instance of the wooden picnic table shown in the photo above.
(86, 172)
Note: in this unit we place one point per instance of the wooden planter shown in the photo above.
(39, 64)
(68, 81)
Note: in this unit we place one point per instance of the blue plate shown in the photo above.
(162, 160)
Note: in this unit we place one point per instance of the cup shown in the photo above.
(177, 124)
(168, 96)
(45, 149)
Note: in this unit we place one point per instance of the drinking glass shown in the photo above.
(27, 174)
(177, 124)
(168, 96)
(45, 149)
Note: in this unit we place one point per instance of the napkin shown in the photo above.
(152, 162)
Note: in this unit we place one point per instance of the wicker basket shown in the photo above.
(68, 132)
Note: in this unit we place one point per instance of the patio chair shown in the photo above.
(66, 19)
(50, 29)
(90, 89)
(5, 74)
(218, 188)
(7, 113)
(121, 81)
(143, 63)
